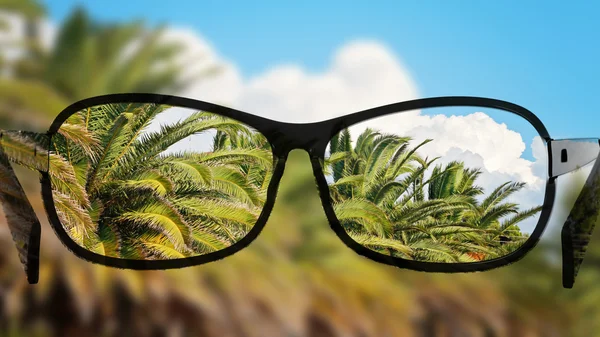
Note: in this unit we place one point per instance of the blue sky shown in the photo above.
(545, 58)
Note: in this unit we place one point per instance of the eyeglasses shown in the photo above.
(444, 184)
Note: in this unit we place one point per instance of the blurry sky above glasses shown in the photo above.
(313, 60)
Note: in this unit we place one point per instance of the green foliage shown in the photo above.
(157, 203)
(386, 202)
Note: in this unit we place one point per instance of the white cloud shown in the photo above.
(362, 75)
(499, 146)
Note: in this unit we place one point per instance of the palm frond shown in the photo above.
(443, 181)
(377, 243)
(157, 246)
(80, 138)
(519, 217)
(162, 217)
(365, 142)
(385, 148)
(141, 117)
(499, 194)
(410, 155)
(353, 180)
(75, 219)
(111, 142)
(433, 252)
(240, 156)
(152, 179)
(233, 183)
(191, 169)
(494, 214)
(150, 145)
(218, 210)
(367, 214)
(108, 242)
(204, 241)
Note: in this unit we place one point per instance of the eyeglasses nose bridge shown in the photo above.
(311, 137)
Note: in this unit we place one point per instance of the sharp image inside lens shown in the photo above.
(156, 182)
(444, 184)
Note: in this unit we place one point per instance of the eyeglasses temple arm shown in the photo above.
(568, 155)
(580, 223)
(22, 221)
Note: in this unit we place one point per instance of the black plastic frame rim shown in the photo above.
(313, 138)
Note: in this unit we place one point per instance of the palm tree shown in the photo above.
(379, 190)
(130, 198)
(89, 59)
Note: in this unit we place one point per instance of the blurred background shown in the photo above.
(303, 63)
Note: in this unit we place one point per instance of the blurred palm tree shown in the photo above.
(89, 59)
